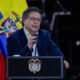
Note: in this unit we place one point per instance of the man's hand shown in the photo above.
(66, 64)
(31, 42)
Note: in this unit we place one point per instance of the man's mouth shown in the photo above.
(35, 26)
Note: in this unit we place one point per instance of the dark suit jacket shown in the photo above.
(17, 44)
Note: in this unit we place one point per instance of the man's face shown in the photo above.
(32, 23)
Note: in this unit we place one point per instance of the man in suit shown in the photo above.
(24, 41)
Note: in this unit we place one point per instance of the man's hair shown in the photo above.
(29, 10)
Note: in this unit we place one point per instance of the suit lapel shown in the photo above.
(23, 38)
(39, 44)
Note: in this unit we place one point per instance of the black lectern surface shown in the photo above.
(46, 67)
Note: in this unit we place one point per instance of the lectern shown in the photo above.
(44, 67)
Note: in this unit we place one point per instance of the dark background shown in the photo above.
(66, 32)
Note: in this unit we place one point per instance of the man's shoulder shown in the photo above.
(16, 34)
(43, 32)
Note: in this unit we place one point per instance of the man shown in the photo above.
(31, 39)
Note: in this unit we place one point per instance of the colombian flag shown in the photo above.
(10, 21)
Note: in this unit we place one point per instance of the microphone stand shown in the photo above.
(61, 6)
(36, 46)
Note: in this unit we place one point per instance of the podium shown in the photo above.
(49, 68)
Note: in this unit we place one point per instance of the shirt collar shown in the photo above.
(27, 34)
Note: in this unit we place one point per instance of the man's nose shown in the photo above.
(36, 21)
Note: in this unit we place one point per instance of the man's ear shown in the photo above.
(24, 21)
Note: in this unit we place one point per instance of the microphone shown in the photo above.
(35, 35)
(35, 44)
